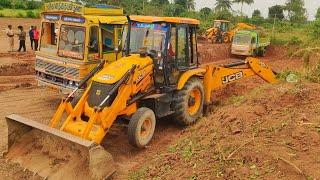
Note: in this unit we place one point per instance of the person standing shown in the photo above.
(22, 39)
(36, 36)
(31, 37)
(10, 35)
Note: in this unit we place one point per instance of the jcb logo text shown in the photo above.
(232, 77)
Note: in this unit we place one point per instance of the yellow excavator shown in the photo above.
(227, 33)
(159, 75)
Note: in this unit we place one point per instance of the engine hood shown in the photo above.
(113, 72)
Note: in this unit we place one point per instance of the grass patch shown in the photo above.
(139, 174)
(20, 13)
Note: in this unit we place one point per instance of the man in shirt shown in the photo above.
(10, 35)
(36, 36)
(31, 36)
(22, 39)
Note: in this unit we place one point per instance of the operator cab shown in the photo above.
(170, 42)
(223, 25)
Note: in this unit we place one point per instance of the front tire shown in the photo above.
(188, 102)
(141, 127)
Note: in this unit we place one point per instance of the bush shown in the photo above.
(20, 15)
(19, 5)
(1, 15)
(315, 30)
(30, 14)
(1, 8)
(295, 41)
(33, 5)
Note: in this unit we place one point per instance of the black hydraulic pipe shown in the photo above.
(125, 78)
(234, 64)
(85, 79)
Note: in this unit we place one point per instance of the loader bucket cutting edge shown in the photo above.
(55, 154)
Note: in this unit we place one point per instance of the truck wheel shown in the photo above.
(141, 127)
(188, 102)
(226, 39)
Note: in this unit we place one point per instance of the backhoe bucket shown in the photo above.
(54, 154)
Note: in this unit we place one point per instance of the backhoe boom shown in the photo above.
(217, 76)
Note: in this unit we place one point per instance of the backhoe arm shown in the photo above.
(217, 76)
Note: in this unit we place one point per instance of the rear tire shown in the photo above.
(141, 127)
(188, 102)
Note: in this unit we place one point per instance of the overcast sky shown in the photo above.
(262, 5)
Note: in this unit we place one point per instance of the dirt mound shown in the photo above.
(17, 64)
(269, 133)
(213, 52)
(17, 69)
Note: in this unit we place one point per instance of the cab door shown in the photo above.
(183, 54)
(93, 44)
(111, 34)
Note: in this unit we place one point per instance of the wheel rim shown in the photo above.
(145, 128)
(194, 101)
(226, 39)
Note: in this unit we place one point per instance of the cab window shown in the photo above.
(110, 37)
(182, 47)
(94, 40)
(49, 35)
(172, 44)
(193, 36)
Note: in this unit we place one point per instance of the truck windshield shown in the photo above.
(147, 36)
(71, 42)
(242, 39)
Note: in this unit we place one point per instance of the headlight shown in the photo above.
(70, 83)
(76, 84)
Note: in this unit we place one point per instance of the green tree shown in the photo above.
(205, 12)
(276, 11)
(296, 11)
(318, 14)
(188, 4)
(222, 5)
(161, 2)
(256, 13)
(5, 3)
(243, 2)
(256, 17)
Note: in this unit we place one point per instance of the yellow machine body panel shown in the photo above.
(114, 71)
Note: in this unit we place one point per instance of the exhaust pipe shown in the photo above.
(54, 154)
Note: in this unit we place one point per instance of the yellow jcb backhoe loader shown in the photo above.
(158, 76)
(227, 33)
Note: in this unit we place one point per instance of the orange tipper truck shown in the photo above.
(74, 39)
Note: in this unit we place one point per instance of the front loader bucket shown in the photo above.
(54, 154)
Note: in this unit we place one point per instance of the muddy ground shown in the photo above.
(254, 131)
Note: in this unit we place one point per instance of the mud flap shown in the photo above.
(55, 154)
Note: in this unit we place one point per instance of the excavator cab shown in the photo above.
(171, 43)
(223, 25)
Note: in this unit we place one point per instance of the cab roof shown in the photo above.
(154, 19)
